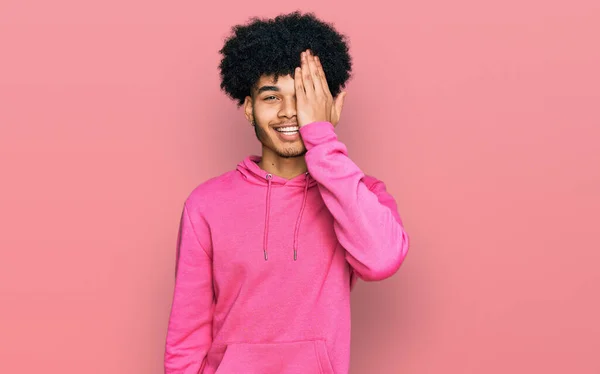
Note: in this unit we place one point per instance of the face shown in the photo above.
(272, 106)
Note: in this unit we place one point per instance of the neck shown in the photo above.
(287, 168)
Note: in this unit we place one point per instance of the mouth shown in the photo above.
(287, 130)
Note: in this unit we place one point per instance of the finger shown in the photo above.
(322, 74)
(314, 73)
(299, 86)
(307, 82)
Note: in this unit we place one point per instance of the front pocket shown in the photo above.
(301, 357)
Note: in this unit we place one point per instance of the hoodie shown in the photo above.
(265, 265)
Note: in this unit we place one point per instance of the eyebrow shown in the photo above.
(267, 88)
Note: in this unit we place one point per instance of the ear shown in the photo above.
(336, 110)
(248, 111)
(339, 102)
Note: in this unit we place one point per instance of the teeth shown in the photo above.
(287, 129)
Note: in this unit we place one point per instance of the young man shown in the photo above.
(268, 253)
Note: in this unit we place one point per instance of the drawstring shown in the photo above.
(297, 229)
(269, 177)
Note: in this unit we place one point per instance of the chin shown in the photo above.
(291, 153)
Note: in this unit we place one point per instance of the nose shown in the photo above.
(288, 107)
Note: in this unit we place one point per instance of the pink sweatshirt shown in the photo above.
(265, 265)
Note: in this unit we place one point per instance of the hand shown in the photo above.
(314, 102)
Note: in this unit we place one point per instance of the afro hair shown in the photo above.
(273, 47)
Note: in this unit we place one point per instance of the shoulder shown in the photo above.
(371, 182)
(212, 189)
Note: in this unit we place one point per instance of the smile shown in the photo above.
(290, 130)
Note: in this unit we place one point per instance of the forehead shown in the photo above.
(283, 83)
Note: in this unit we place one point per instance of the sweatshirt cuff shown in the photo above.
(316, 133)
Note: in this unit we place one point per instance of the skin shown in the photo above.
(298, 100)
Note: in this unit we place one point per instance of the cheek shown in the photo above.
(266, 112)
(263, 135)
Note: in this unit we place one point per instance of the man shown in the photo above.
(268, 253)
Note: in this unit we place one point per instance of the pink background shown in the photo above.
(483, 119)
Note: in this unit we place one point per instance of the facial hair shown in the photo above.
(263, 138)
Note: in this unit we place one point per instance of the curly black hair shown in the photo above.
(273, 47)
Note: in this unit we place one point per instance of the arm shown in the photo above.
(366, 220)
(189, 335)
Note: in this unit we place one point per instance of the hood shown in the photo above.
(252, 173)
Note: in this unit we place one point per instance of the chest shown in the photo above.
(241, 235)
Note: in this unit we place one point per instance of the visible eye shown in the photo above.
(269, 98)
